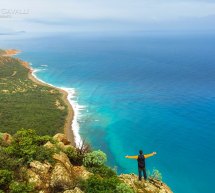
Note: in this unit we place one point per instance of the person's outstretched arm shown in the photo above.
(131, 157)
(150, 155)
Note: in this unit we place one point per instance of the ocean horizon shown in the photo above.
(153, 92)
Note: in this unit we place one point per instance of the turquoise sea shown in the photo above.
(149, 91)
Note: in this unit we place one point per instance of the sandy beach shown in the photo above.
(68, 131)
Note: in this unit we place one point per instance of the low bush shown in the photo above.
(94, 159)
(44, 154)
(74, 157)
(103, 171)
(124, 188)
(97, 184)
(9, 162)
(5, 178)
(21, 187)
(28, 146)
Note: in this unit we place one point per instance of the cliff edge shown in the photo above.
(44, 164)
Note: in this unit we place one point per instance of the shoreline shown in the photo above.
(68, 129)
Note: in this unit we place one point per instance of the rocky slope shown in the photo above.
(63, 176)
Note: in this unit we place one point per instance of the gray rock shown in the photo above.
(144, 186)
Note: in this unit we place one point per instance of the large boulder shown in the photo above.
(39, 174)
(61, 178)
(47, 177)
(61, 138)
(49, 145)
(62, 175)
(35, 178)
(7, 138)
(64, 160)
(81, 172)
(40, 168)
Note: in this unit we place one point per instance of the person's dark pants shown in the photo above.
(140, 171)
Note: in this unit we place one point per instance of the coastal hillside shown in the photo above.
(27, 103)
(32, 161)
(44, 164)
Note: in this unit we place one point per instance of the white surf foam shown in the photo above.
(77, 114)
(44, 65)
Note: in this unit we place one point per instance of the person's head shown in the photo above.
(141, 152)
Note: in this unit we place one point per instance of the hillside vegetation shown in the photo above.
(32, 163)
(26, 104)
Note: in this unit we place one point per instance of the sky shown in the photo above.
(38, 16)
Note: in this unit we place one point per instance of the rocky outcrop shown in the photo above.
(61, 175)
(81, 172)
(5, 137)
(40, 168)
(49, 145)
(10, 52)
(39, 175)
(149, 186)
(63, 160)
(61, 138)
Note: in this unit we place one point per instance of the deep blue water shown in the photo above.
(153, 92)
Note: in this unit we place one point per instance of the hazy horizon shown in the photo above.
(108, 16)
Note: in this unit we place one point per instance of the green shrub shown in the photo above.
(103, 171)
(96, 184)
(21, 187)
(74, 157)
(24, 145)
(2, 142)
(5, 178)
(28, 146)
(44, 154)
(41, 140)
(8, 162)
(124, 188)
(95, 158)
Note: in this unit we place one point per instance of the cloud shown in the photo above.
(77, 15)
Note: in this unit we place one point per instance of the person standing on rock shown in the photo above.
(141, 163)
